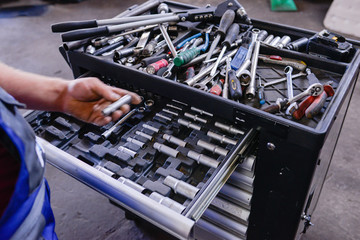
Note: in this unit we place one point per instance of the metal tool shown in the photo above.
(251, 89)
(319, 102)
(108, 132)
(212, 148)
(228, 128)
(163, 9)
(231, 35)
(283, 42)
(207, 70)
(154, 129)
(268, 39)
(181, 187)
(274, 41)
(168, 202)
(298, 45)
(131, 184)
(203, 84)
(136, 142)
(226, 20)
(174, 140)
(314, 90)
(168, 71)
(149, 49)
(132, 153)
(290, 91)
(221, 138)
(280, 80)
(262, 35)
(166, 150)
(202, 159)
(144, 135)
(126, 99)
(189, 124)
(202, 112)
(195, 117)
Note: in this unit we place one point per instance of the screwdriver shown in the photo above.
(231, 35)
(235, 86)
(226, 20)
(261, 93)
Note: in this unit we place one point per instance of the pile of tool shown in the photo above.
(214, 49)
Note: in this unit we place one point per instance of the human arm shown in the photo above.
(83, 98)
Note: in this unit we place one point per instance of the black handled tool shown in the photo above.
(226, 20)
(231, 35)
(234, 86)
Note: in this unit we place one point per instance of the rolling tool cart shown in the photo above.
(248, 164)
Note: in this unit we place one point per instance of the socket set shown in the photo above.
(273, 100)
(166, 150)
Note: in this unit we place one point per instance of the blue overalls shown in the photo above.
(28, 214)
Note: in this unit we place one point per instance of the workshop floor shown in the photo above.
(81, 213)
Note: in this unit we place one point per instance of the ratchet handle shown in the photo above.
(300, 112)
(73, 25)
(319, 102)
(226, 20)
(84, 33)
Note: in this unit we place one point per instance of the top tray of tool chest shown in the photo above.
(173, 100)
(341, 74)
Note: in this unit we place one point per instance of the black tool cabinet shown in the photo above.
(278, 164)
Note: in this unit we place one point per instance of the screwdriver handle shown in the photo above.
(234, 86)
(226, 20)
(231, 35)
(217, 88)
(186, 56)
(300, 112)
(261, 95)
(273, 108)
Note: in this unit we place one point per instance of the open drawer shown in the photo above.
(166, 163)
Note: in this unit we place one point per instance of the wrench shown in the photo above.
(290, 92)
(314, 90)
(202, 85)
(168, 72)
(280, 80)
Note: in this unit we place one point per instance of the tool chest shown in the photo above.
(198, 165)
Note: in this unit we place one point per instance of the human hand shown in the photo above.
(85, 98)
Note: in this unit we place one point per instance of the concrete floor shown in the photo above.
(81, 213)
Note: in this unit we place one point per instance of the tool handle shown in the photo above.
(261, 95)
(226, 20)
(217, 88)
(73, 25)
(300, 112)
(316, 106)
(273, 108)
(231, 35)
(186, 56)
(149, 60)
(234, 86)
(190, 73)
(84, 33)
